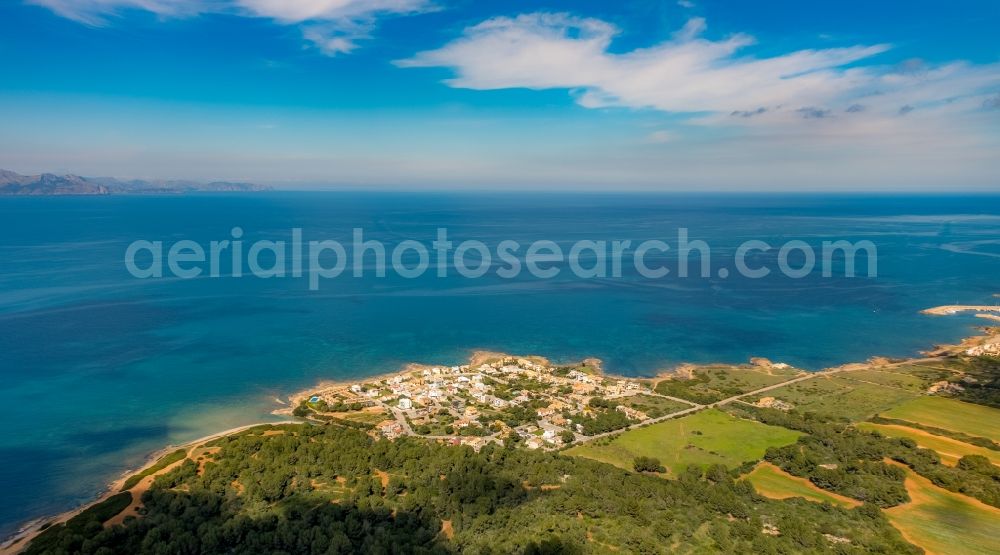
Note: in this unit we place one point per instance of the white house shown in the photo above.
(405, 403)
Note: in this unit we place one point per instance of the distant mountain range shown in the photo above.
(48, 184)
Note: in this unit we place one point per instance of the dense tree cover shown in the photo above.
(973, 440)
(329, 489)
(85, 524)
(600, 421)
(854, 474)
(843, 459)
(648, 464)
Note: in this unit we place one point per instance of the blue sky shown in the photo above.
(690, 95)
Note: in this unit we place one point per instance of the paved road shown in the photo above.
(401, 418)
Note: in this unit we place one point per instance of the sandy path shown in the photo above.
(949, 458)
(140, 489)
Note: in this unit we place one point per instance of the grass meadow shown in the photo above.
(703, 438)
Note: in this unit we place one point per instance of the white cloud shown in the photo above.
(691, 74)
(96, 12)
(827, 114)
(297, 11)
(333, 26)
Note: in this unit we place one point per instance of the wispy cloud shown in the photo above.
(815, 114)
(332, 26)
(99, 12)
(696, 75)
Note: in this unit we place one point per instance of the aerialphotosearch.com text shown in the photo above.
(316, 260)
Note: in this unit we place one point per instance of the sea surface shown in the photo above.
(100, 368)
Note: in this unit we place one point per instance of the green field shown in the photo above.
(949, 414)
(842, 397)
(771, 481)
(714, 383)
(949, 449)
(944, 522)
(653, 406)
(706, 437)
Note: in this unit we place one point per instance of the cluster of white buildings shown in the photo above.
(457, 396)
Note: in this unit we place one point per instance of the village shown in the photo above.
(525, 400)
(532, 403)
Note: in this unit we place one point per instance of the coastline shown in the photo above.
(17, 541)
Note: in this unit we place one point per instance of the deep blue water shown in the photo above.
(100, 368)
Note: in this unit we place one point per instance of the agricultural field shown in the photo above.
(949, 414)
(653, 406)
(714, 383)
(703, 438)
(771, 481)
(944, 522)
(841, 397)
(949, 449)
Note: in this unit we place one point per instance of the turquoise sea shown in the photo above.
(100, 368)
